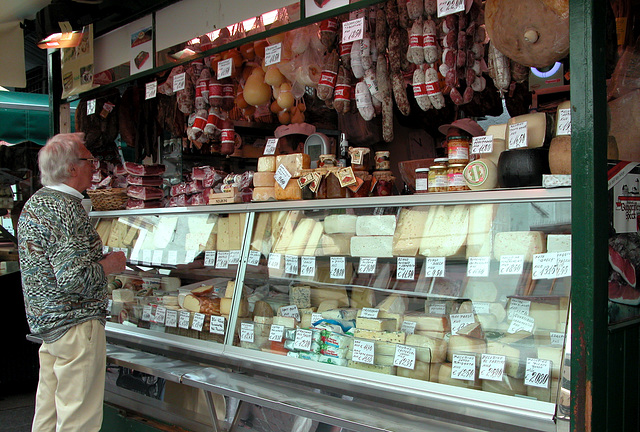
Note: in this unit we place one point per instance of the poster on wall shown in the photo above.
(77, 65)
(315, 7)
(141, 49)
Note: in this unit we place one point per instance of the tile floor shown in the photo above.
(16, 412)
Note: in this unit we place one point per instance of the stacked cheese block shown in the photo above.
(294, 163)
(263, 179)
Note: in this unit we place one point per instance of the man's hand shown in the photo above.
(113, 262)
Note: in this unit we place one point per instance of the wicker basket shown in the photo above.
(108, 199)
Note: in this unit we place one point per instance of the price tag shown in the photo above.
(282, 176)
(308, 266)
(434, 267)
(254, 258)
(172, 258)
(463, 367)
(222, 261)
(247, 333)
(171, 319)
(146, 256)
(521, 322)
(337, 268)
(234, 257)
(545, 266)
(91, 107)
(156, 259)
(146, 313)
(518, 135)
(405, 268)
(438, 309)
(216, 325)
(405, 357)
(161, 314)
(105, 250)
(459, 321)
(135, 255)
(273, 54)
(564, 122)
(315, 317)
(198, 321)
(190, 256)
(481, 308)
(109, 306)
(270, 147)
(409, 327)
(352, 30)
(511, 264)
(224, 69)
(150, 90)
(276, 333)
(302, 341)
(537, 373)
(564, 264)
(363, 351)
(448, 7)
(179, 81)
(518, 306)
(482, 144)
(183, 319)
(210, 258)
(290, 311)
(274, 260)
(557, 338)
(291, 264)
(367, 265)
(369, 313)
(478, 266)
(492, 367)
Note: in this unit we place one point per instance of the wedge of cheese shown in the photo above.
(301, 236)
(536, 128)
(335, 244)
(223, 241)
(409, 231)
(261, 240)
(436, 349)
(393, 304)
(294, 163)
(447, 235)
(428, 322)
(385, 336)
(376, 324)
(285, 234)
(340, 224)
(375, 225)
(526, 243)
(421, 371)
(459, 344)
(479, 238)
(313, 243)
(318, 295)
(362, 297)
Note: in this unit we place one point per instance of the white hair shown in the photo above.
(57, 156)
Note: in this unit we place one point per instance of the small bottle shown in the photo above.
(344, 151)
(422, 180)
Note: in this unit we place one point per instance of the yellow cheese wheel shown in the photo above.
(263, 179)
(267, 163)
(264, 194)
(291, 192)
(294, 163)
(481, 174)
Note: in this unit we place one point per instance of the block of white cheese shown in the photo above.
(437, 348)
(459, 344)
(340, 224)
(409, 231)
(267, 163)
(554, 354)
(122, 295)
(372, 246)
(223, 234)
(261, 240)
(301, 235)
(447, 235)
(263, 179)
(536, 128)
(300, 295)
(375, 225)
(526, 243)
(428, 322)
(236, 230)
(559, 243)
(376, 324)
(294, 163)
(385, 336)
(479, 239)
(290, 192)
(264, 193)
(335, 244)
(313, 243)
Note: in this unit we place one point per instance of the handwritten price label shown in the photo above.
(537, 373)
(91, 107)
(409, 327)
(291, 264)
(146, 313)
(481, 308)
(156, 259)
(337, 268)
(210, 258)
(276, 333)
(224, 68)
(179, 81)
(564, 122)
(369, 313)
(105, 250)
(352, 30)
(557, 338)
(270, 147)
(198, 321)
(363, 351)
(511, 264)
(545, 266)
(234, 257)
(222, 260)
(150, 90)
(521, 322)
(492, 367)
(564, 264)
(190, 256)
(172, 258)
(247, 332)
(434, 267)
(171, 319)
(459, 321)
(146, 256)
(405, 357)
(303, 340)
(184, 318)
(273, 54)
(438, 309)
(406, 268)
(161, 315)
(216, 325)
(290, 311)
(482, 144)
(518, 306)
(315, 317)
(308, 266)
(274, 260)
(518, 135)
(367, 265)
(282, 176)
(254, 258)
(478, 266)
(463, 367)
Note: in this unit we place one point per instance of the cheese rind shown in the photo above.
(376, 324)
(527, 243)
(340, 224)
(375, 225)
(263, 179)
(267, 163)
(264, 193)
(291, 191)
(372, 246)
(294, 163)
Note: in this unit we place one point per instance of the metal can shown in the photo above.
(422, 180)
(438, 181)
(456, 178)
(458, 149)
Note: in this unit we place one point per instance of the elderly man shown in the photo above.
(64, 285)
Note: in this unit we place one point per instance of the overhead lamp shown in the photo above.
(67, 38)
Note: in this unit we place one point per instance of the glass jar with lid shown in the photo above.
(458, 149)
(438, 179)
(422, 180)
(455, 177)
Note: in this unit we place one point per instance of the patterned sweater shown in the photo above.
(63, 284)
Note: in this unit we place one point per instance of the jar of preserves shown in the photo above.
(321, 193)
(327, 160)
(382, 160)
(384, 183)
(334, 189)
(360, 158)
(422, 180)
(304, 181)
(364, 188)
(456, 178)
(458, 149)
(438, 180)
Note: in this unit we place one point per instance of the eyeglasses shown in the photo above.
(91, 160)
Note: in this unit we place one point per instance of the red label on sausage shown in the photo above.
(328, 78)
(329, 25)
(429, 40)
(215, 90)
(414, 41)
(228, 135)
(433, 88)
(342, 92)
(345, 48)
(228, 91)
(202, 86)
(420, 90)
(199, 123)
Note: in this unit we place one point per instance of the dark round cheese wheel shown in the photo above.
(523, 167)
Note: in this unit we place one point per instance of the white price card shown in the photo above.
(254, 258)
(537, 372)
(409, 327)
(545, 266)
(198, 321)
(91, 107)
(405, 268)
(438, 309)
(363, 351)
(276, 333)
(405, 357)
(135, 255)
(210, 258)
(156, 259)
(183, 319)
(564, 264)
(146, 313)
(434, 267)
(247, 333)
(303, 340)
(171, 319)
(564, 122)
(290, 311)
(352, 30)
(179, 81)
(291, 264)
(161, 315)
(190, 256)
(315, 317)
(521, 322)
(511, 264)
(109, 306)
(150, 90)
(369, 312)
(224, 68)
(492, 367)
(478, 266)
(481, 308)
(308, 266)
(518, 135)
(337, 268)
(274, 260)
(234, 257)
(105, 250)
(459, 321)
(216, 324)
(273, 54)
(146, 256)
(367, 265)
(482, 144)
(282, 176)
(557, 338)
(172, 258)
(222, 260)
(463, 367)
(518, 306)
(270, 147)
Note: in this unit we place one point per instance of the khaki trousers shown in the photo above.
(71, 382)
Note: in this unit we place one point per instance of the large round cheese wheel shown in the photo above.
(523, 167)
(263, 179)
(267, 163)
(481, 174)
(264, 194)
(560, 155)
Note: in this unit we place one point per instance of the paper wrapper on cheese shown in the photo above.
(447, 235)
(409, 229)
(301, 236)
(375, 225)
(372, 246)
(536, 128)
(526, 243)
(294, 163)
(479, 237)
(335, 244)
(340, 224)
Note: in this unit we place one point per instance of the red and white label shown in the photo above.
(228, 135)
(415, 41)
(342, 92)
(215, 89)
(433, 88)
(199, 123)
(328, 78)
(228, 91)
(329, 25)
(345, 48)
(429, 40)
(420, 90)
